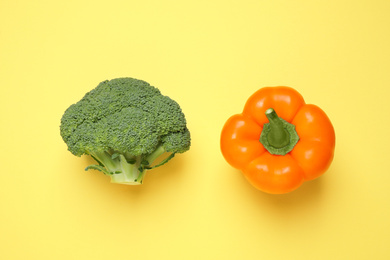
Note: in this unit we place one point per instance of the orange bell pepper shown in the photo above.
(278, 141)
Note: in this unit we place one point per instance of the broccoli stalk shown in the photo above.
(125, 125)
(125, 169)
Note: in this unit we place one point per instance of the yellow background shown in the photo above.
(210, 56)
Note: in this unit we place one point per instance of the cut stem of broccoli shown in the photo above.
(123, 170)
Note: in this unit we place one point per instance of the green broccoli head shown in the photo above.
(125, 124)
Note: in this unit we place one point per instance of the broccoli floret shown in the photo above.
(125, 124)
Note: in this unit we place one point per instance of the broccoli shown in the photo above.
(125, 125)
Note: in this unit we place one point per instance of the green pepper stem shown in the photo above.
(278, 136)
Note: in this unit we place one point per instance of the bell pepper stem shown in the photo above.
(278, 136)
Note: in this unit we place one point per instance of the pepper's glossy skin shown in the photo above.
(278, 174)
